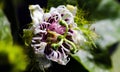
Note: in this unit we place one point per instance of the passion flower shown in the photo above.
(54, 33)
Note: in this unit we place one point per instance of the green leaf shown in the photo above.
(108, 31)
(5, 32)
(86, 59)
(116, 60)
(13, 56)
(100, 9)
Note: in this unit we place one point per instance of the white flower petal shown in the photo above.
(61, 6)
(46, 16)
(67, 15)
(64, 54)
(36, 38)
(53, 56)
(78, 38)
(67, 50)
(39, 51)
(52, 9)
(73, 25)
(38, 30)
(36, 13)
(60, 56)
(72, 9)
(63, 60)
(55, 15)
(61, 9)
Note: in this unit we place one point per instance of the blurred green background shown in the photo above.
(103, 15)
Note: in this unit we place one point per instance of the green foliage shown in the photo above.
(100, 9)
(84, 26)
(16, 57)
(109, 32)
(52, 3)
(80, 17)
(27, 36)
(106, 14)
(5, 33)
(11, 56)
(115, 60)
(87, 60)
